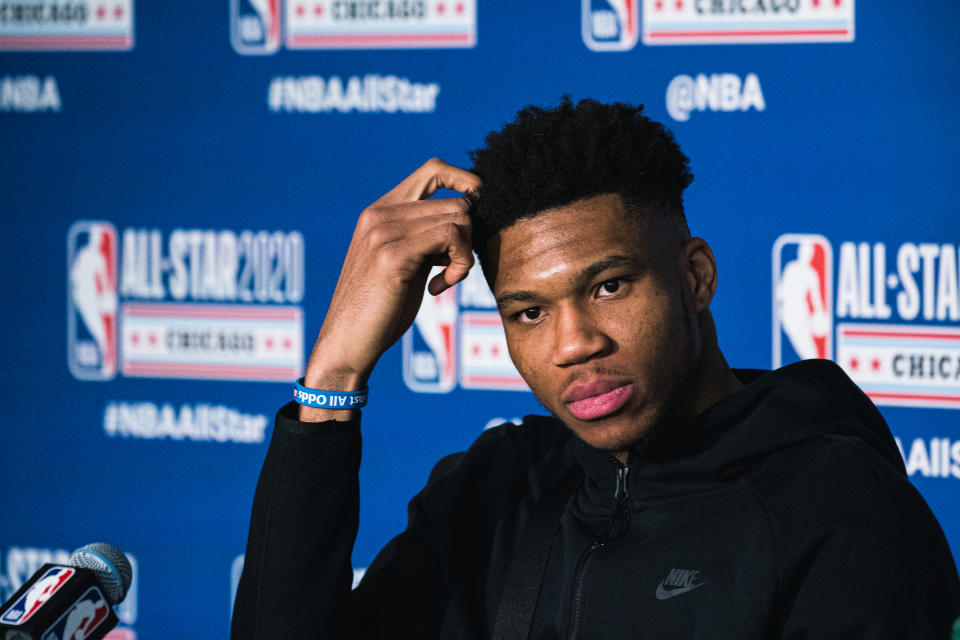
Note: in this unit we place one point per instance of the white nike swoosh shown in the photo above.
(666, 594)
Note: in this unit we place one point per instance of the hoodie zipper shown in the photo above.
(622, 511)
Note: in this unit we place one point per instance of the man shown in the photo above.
(668, 496)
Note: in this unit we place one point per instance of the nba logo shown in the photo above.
(429, 347)
(802, 298)
(41, 591)
(82, 619)
(92, 300)
(610, 25)
(255, 26)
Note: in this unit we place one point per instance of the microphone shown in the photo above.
(72, 601)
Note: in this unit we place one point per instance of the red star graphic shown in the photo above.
(875, 364)
(816, 4)
(318, 10)
(658, 5)
(118, 12)
(441, 8)
(135, 338)
(460, 7)
(287, 343)
(854, 363)
(153, 338)
(301, 10)
(679, 5)
(476, 349)
(101, 12)
(837, 3)
(495, 350)
(269, 343)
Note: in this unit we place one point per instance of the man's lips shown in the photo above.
(597, 399)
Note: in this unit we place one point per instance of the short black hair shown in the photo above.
(549, 158)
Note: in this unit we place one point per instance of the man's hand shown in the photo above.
(396, 242)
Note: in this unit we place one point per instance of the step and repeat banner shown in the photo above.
(179, 182)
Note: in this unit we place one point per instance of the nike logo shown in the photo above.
(678, 582)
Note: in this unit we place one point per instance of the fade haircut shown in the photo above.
(549, 158)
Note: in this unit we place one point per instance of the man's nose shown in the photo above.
(577, 338)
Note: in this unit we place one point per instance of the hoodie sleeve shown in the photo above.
(297, 574)
(861, 555)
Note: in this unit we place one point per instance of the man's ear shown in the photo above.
(701, 270)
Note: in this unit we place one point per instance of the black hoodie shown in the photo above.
(783, 511)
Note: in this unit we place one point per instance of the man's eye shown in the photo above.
(608, 287)
(530, 314)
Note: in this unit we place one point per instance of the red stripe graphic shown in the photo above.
(753, 32)
(899, 334)
(347, 40)
(66, 42)
(913, 396)
(226, 371)
(482, 321)
(232, 312)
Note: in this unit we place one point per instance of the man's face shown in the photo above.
(599, 317)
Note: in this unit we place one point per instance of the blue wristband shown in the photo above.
(328, 399)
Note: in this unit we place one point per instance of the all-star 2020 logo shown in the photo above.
(890, 320)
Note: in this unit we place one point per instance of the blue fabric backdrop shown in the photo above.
(179, 182)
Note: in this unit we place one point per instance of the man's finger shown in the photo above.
(404, 211)
(461, 260)
(424, 235)
(433, 175)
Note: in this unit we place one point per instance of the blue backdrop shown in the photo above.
(179, 182)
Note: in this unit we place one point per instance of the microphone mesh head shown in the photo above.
(109, 565)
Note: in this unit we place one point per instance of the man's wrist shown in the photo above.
(331, 378)
(334, 380)
(327, 398)
(328, 369)
(313, 414)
